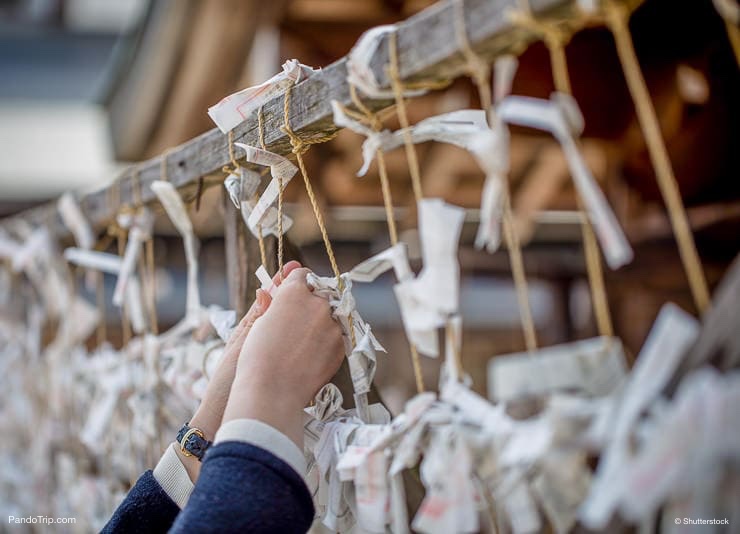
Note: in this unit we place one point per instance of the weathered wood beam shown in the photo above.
(428, 51)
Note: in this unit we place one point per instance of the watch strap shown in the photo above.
(192, 441)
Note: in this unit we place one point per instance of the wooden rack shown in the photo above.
(427, 50)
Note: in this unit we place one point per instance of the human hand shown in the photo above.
(210, 412)
(290, 353)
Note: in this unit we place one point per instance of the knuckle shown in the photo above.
(323, 304)
(317, 305)
(291, 288)
(298, 275)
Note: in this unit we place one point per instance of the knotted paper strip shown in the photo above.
(236, 108)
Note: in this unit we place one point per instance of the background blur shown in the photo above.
(87, 86)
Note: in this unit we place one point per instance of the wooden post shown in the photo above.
(241, 262)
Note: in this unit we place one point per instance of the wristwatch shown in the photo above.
(192, 441)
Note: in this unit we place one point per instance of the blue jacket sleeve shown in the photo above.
(146, 508)
(244, 488)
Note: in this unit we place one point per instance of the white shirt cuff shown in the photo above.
(170, 473)
(266, 437)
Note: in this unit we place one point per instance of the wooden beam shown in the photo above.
(428, 51)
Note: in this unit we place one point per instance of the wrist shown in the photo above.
(191, 464)
(249, 401)
(206, 420)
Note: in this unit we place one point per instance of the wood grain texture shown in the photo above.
(240, 260)
(428, 51)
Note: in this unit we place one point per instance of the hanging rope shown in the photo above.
(146, 261)
(733, 34)
(261, 126)
(114, 194)
(517, 271)
(232, 158)
(730, 13)
(102, 328)
(376, 125)
(617, 18)
(261, 241)
(148, 278)
(455, 343)
(300, 146)
(199, 192)
(481, 75)
(555, 40)
(478, 69)
(397, 86)
(102, 333)
(411, 158)
(233, 169)
(260, 237)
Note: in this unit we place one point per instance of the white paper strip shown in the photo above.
(359, 72)
(232, 184)
(595, 367)
(504, 70)
(269, 221)
(672, 333)
(75, 221)
(280, 169)
(522, 510)
(491, 151)
(426, 300)
(36, 245)
(265, 280)
(236, 108)
(467, 129)
(561, 117)
(394, 257)
(140, 227)
(91, 259)
(459, 128)
(453, 348)
(449, 504)
(176, 211)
